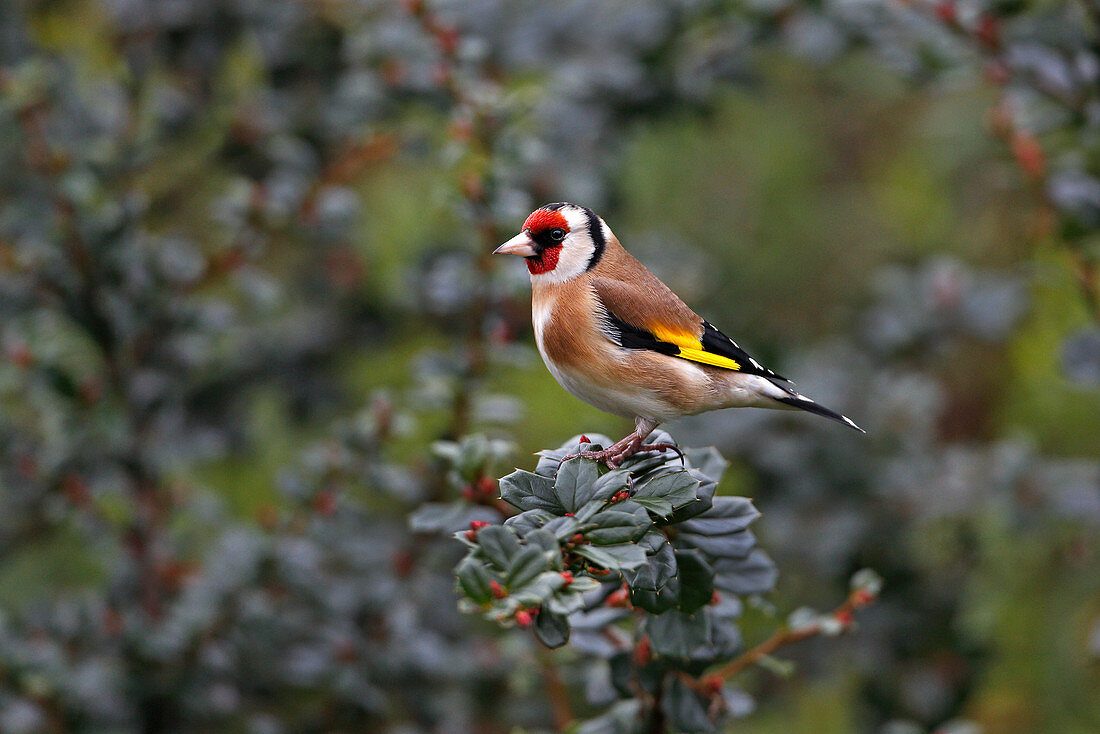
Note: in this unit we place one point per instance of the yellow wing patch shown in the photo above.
(691, 348)
(698, 355)
(677, 337)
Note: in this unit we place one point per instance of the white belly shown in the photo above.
(626, 401)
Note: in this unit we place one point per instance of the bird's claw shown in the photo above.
(613, 458)
(608, 457)
(664, 447)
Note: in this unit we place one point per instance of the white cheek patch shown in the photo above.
(573, 260)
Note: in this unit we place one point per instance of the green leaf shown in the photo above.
(653, 586)
(498, 544)
(696, 580)
(662, 492)
(575, 483)
(449, 517)
(550, 459)
(525, 567)
(526, 522)
(551, 629)
(614, 557)
(565, 603)
(542, 538)
(685, 709)
(692, 642)
(676, 634)
(721, 531)
(753, 575)
(704, 495)
(726, 515)
(584, 584)
(629, 679)
(734, 545)
(606, 486)
(543, 588)
(474, 580)
(615, 526)
(610, 483)
(708, 461)
(529, 491)
(562, 527)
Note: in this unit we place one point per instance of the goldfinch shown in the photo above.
(615, 336)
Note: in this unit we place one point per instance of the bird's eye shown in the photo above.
(557, 234)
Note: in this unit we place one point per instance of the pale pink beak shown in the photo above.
(520, 245)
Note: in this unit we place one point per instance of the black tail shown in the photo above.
(798, 401)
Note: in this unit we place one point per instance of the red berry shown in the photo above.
(567, 577)
(267, 516)
(714, 598)
(577, 539)
(393, 72)
(325, 502)
(91, 390)
(712, 684)
(643, 651)
(497, 590)
(74, 488)
(475, 525)
(618, 598)
(447, 39)
(997, 73)
(487, 486)
(469, 494)
(523, 618)
(844, 617)
(21, 355)
(946, 11)
(1029, 154)
(585, 439)
(988, 31)
(403, 562)
(619, 496)
(862, 597)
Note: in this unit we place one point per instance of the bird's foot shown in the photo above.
(609, 457)
(613, 456)
(663, 447)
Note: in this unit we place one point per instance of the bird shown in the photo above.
(615, 336)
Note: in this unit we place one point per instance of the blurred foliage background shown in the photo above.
(245, 284)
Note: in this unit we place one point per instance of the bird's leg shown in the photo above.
(613, 455)
(618, 452)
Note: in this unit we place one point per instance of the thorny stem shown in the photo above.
(785, 636)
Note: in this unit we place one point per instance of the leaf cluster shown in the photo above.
(646, 553)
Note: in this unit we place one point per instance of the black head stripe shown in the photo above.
(542, 240)
(595, 231)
